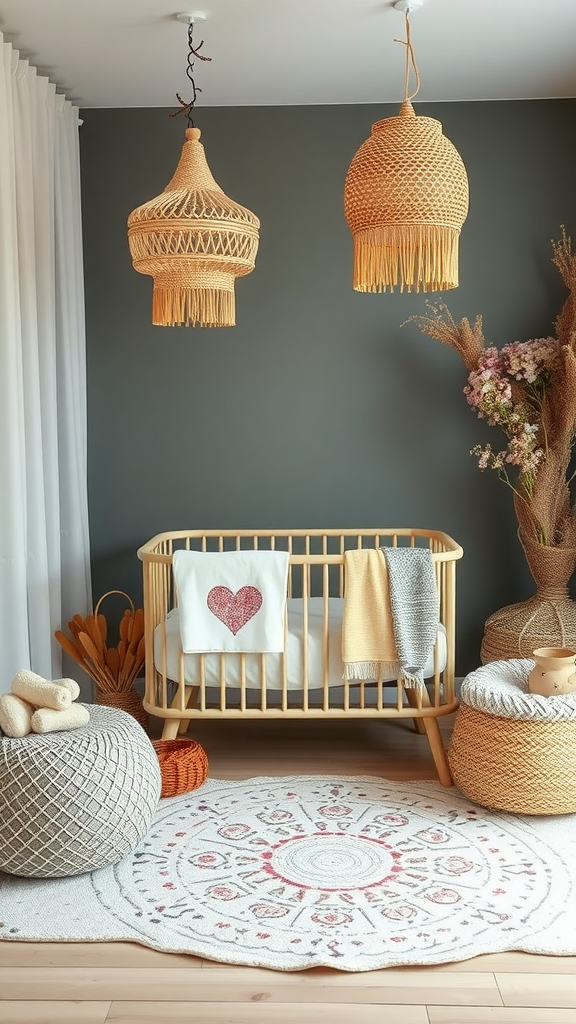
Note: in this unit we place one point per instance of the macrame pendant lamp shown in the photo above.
(193, 240)
(405, 200)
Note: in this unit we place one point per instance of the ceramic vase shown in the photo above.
(554, 672)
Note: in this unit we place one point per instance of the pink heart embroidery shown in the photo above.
(234, 610)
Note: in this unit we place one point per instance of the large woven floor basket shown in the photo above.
(528, 767)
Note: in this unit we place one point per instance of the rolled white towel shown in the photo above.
(41, 692)
(47, 720)
(70, 684)
(15, 715)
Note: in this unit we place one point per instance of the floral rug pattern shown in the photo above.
(353, 873)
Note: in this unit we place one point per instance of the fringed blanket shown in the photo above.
(390, 618)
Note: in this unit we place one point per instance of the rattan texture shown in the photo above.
(527, 767)
(194, 241)
(183, 764)
(129, 701)
(71, 802)
(517, 630)
(405, 200)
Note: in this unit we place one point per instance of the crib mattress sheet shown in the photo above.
(294, 652)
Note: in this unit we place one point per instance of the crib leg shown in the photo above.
(432, 730)
(438, 752)
(173, 726)
(413, 702)
(170, 730)
(191, 695)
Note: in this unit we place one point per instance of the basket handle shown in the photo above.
(107, 594)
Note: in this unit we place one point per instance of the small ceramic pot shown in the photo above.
(554, 672)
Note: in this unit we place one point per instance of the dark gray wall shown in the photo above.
(319, 409)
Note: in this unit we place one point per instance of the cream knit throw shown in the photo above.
(390, 619)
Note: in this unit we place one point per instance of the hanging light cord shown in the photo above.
(410, 60)
(187, 108)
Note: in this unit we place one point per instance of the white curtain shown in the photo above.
(44, 539)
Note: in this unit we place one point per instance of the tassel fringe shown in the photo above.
(197, 307)
(417, 257)
(375, 670)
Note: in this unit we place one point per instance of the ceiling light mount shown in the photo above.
(191, 17)
(407, 6)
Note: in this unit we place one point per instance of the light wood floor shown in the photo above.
(123, 983)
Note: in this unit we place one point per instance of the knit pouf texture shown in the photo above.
(74, 801)
(511, 750)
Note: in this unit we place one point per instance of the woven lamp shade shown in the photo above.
(194, 241)
(405, 200)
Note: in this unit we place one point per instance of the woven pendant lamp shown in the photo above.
(192, 239)
(405, 200)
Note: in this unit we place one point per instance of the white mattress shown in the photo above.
(294, 652)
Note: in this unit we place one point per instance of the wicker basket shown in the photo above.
(183, 765)
(527, 767)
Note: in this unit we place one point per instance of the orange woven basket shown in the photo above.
(183, 765)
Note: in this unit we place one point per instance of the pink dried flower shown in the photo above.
(528, 365)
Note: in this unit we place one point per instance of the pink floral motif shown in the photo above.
(272, 817)
(269, 910)
(335, 811)
(234, 831)
(403, 913)
(392, 819)
(444, 896)
(331, 917)
(207, 860)
(433, 835)
(223, 892)
(457, 865)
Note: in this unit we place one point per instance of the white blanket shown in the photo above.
(231, 601)
(168, 652)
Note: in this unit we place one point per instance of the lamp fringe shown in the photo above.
(202, 307)
(417, 257)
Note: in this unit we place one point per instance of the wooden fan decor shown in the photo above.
(113, 669)
(405, 200)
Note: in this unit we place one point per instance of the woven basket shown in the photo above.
(548, 619)
(527, 767)
(129, 701)
(183, 765)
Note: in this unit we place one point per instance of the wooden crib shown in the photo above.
(306, 681)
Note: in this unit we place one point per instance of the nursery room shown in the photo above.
(288, 529)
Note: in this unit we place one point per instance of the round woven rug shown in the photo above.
(357, 874)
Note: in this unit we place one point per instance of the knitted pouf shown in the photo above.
(74, 801)
(512, 750)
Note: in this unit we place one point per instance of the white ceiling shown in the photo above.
(132, 53)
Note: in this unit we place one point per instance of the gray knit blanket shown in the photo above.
(414, 605)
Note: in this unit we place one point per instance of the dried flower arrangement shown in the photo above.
(113, 669)
(528, 390)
